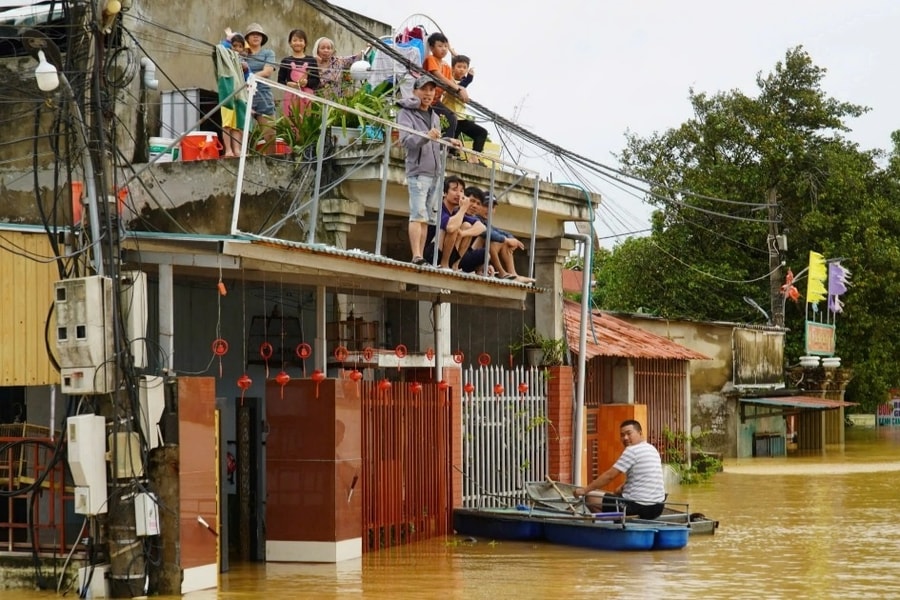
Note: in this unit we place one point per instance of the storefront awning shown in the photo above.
(798, 402)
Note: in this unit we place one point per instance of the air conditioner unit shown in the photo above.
(84, 335)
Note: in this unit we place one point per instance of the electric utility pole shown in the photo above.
(776, 245)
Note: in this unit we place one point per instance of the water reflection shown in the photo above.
(819, 526)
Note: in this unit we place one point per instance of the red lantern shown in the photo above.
(469, 388)
(303, 351)
(282, 380)
(429, 354)
(523, 387)
(356, 375)
(443, 385)
(244, 382)
(220, 348)
(415, 387)
(317, 376)
(484, 359)
(498, 389)
(384, 385)
(266, 351)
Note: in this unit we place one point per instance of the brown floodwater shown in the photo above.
(820, 526)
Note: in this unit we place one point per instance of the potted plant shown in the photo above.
(541, 351)
(374, 101)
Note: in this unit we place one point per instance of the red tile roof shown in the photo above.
(615, 337)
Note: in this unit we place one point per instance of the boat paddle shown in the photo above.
(562, 495)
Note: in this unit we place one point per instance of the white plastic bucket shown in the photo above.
(158, 147)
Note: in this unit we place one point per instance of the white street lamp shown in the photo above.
(46, 74)
(48, 79)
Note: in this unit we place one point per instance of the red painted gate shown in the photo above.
(406, 474)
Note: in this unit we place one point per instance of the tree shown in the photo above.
(710, 179)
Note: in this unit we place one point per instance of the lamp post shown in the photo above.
(48, 76)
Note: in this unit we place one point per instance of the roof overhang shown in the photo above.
(813, 402)
(316, 265)
(788, 405)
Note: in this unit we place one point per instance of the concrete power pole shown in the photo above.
(776, 245)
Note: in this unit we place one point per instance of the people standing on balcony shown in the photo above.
(261, 62)
(331, 69)
(463, 75)
(424, 163)
(297, 71)
(230, 71)
(434, 65)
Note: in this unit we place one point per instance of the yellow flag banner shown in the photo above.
(816, 276)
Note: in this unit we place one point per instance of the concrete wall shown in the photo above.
(712, 412)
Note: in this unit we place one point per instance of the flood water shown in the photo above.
(823, 526)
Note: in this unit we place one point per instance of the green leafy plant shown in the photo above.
(300, 129)
(374, 101)
(702, 465)
(553, 351)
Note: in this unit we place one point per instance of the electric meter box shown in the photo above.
(84, 335)
(133, 300)
(86, 435)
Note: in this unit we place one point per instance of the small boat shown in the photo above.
(560, 497)
(606, 531)
(497, 523)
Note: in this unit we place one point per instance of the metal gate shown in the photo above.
(406, 463)
(505, 433)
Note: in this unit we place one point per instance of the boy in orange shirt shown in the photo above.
(438, 48)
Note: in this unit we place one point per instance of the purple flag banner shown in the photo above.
(838, 280)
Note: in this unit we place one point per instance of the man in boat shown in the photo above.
(643, 493)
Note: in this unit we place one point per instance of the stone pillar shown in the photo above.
(313, 470)
(549, 257)
(560, 430)
(338, 217)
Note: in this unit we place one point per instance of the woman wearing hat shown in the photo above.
(261, 62)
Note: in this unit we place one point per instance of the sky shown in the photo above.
(581, 73)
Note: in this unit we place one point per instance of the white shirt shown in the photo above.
(643, 470)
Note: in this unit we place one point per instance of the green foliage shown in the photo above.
(704, 256)
(703, 466)
(555, 350)
(300, 129)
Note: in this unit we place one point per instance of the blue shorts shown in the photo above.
(423, 199)
(263, 102)
(472, 261)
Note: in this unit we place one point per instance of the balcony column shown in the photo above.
(549, 257)
(339, 215)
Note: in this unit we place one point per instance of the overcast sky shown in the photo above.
(581, 73)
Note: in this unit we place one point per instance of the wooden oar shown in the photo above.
(562, 495)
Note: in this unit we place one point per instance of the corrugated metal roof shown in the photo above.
(615, 337)
(798, 402)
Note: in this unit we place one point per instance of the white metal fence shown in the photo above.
(505, 434)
